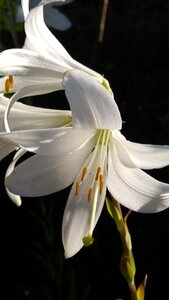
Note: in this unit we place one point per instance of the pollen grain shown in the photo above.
(89, 194)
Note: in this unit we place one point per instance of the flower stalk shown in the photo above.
(127, 262)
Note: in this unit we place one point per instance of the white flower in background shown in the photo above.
(53, 17)
(94, 156)
(41, 64)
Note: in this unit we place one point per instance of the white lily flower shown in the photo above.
(94, 156)
(41, 64)
(53, 17)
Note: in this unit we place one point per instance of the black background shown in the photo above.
(134, 58)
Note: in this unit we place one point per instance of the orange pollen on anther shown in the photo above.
(101, 183)
(84, 173)
(89, 194)
(11, 80)
(77, 188)
(9, 83)
(98, 173)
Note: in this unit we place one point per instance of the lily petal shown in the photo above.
(25, 7)
(24, 92)
(52, 141)
(15, 198)
(78, 210)
(142, 155)
(34, 68)
(55, 19)
(43, 175)
(45, 2)
(41, 40)
(24, 116)
(91, 104)
(134, 188)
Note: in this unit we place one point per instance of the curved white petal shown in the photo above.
(41, 40)
(25, 62)
(15, 198)
(25, 7)
(24, 92)
(52, 141)
(42, 175)
(45, 2)
(142, 155)
(63, 2)
(78, 210)
(24, 116)
(55, 19)
(134, 188)
(91, 104)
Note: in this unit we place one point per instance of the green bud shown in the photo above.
(127, 268)
(126, 238)
(114, 213)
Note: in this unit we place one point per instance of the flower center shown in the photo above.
(97, 168)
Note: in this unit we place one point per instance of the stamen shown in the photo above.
(84, 173)
(9, 83)
(89, 194)
(98, 173)
(77, 188)
(101, 183)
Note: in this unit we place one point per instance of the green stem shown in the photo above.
(127, 264)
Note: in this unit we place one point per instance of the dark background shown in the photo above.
(134, 58)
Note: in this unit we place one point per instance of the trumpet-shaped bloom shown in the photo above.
(41, 64)
(93, 156)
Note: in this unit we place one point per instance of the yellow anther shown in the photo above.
(9, 83)
(84, 173)
(101, 179)
(98, 173)
(77, 188)
(89, 194)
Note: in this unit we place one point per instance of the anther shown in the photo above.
(11, 80)
(98, 173)
(101, 179)
(77, 188)
(84, 173)
(9, 83)
(89, 194)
